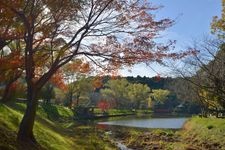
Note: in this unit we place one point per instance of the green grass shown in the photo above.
(114, 111)
(122, 111)
(43, 130)
(144, 111)
(55, 112)
(205, 132)
(54, 129)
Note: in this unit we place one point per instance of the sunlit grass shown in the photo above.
(205, 130)
(49, 130)
(46, 136)
(9, 118)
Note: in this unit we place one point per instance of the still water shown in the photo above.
(148, 122)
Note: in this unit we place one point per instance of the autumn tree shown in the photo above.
(79, 84)
(211, 78)
(11, 68)
(11, 58)
(218, 23)
(204, 76)
(138, 94)
(123, 94)
(79, 91)
(116, 92)
(108, 33)
(160, 95)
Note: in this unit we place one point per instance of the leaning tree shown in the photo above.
(107, 33)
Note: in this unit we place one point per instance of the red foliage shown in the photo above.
(58, 80)
(11, 62)
(157, 78)
(13, 86)
(11, 66)
(78, 66)
(103, 105)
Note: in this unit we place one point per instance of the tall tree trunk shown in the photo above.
(25, 134)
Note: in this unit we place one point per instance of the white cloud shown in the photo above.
(143, 70)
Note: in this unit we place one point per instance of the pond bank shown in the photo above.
(141, 139)
(197, 134)
(99, 114)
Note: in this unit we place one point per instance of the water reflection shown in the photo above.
(164, 123)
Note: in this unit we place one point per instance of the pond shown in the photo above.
(147, 122)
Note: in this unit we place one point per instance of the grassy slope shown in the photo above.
(54, 129)
(204, 133)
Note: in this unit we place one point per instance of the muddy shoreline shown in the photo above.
(128, 138)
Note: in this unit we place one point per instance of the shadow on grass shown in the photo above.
(51, 111)
(21, 107)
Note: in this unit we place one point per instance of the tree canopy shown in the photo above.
(108, 34)
(218, 23)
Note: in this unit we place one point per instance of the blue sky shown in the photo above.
(192, 21)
